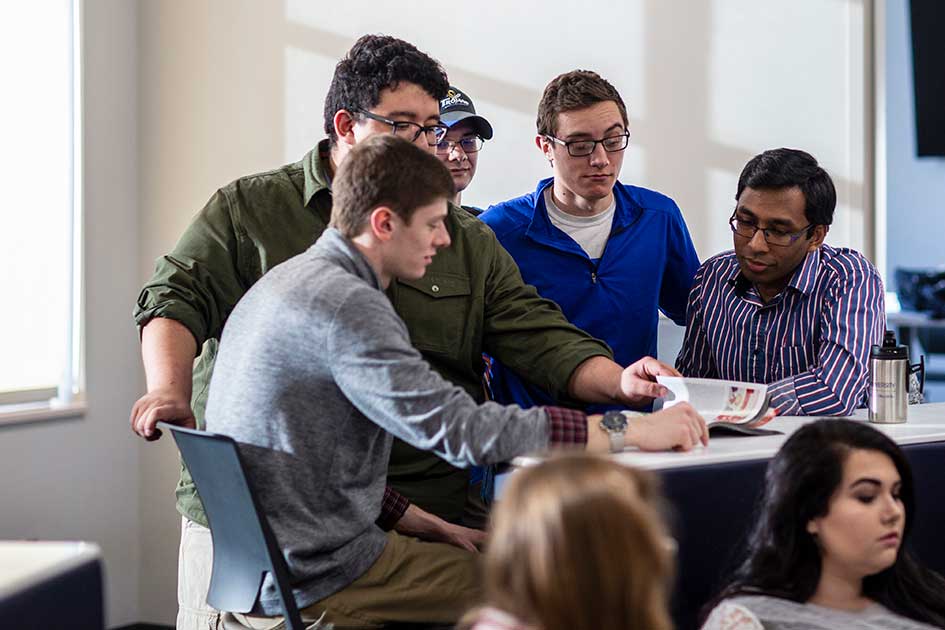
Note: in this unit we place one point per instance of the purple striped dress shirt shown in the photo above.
(811, 343)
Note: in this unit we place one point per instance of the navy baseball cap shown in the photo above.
(457, 106)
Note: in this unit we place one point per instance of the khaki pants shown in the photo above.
(194, 565)
(411, 581)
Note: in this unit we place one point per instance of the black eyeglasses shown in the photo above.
(772, 236)
(581, 148)
(410, 130)
(468, 145)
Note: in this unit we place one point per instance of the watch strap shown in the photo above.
(616, 440)
(617, 444)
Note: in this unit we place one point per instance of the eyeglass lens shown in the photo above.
(468, 145)
(586, 147)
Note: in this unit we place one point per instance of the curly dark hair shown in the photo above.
(374, 63)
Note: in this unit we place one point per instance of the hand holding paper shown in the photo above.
(737, 406)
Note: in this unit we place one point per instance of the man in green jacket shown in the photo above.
(471, 300)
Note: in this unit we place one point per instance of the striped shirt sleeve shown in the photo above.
(695, 359)
(852, 320)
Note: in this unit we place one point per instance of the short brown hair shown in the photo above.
(577, 543)
(385, 170)
(575, 90)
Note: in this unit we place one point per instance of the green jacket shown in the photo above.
(471, 300)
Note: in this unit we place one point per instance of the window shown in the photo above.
(39, 227)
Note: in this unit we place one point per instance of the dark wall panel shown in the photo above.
(928, 55)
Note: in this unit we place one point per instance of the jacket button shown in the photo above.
(435, 288)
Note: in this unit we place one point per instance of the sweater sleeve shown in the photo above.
(373, 363)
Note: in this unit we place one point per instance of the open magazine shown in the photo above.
(727, 406)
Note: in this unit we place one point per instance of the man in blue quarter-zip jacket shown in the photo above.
(609, 254)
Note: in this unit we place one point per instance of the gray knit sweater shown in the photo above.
(314, 376)
(761, 612)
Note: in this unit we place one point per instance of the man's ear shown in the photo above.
(546, 146)
(344, 126)
(381, 221)
(820, 233)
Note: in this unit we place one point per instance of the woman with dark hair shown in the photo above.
(828, 548)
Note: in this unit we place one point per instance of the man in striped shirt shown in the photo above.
(783, 307)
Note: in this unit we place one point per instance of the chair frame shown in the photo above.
(224, 595)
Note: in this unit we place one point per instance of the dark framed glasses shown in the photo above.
(772, 236)
(581, 148)
(410, 131)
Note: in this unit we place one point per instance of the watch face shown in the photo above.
(614, 421)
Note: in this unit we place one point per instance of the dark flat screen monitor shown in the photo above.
(928, 66)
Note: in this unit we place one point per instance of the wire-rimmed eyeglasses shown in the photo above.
(468, 145)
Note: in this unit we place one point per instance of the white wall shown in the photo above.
(228, 88)
(77, 479)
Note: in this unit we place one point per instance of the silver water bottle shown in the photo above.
(889, 381)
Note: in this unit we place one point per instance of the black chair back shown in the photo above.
(244, 547)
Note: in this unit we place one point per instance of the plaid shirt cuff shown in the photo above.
(392, 509)
(566, 426)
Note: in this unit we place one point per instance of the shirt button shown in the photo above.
(435, 288)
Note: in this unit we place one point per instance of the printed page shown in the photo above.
(717, 400)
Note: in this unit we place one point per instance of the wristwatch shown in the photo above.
(615, 423)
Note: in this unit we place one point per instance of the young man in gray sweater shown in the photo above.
(316, 375)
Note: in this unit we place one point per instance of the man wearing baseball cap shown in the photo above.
(459, 149)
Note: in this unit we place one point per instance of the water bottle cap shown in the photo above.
(890, 349)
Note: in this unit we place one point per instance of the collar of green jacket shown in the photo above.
(317, 168)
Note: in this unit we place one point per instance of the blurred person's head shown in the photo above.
(784, 206)
(577, 543)
(583, 131)
(384, 85)
(459, 149)
(839, 499)
(392, 196)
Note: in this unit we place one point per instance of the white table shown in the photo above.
(51, 585)
(926, 423)
(714, 491)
